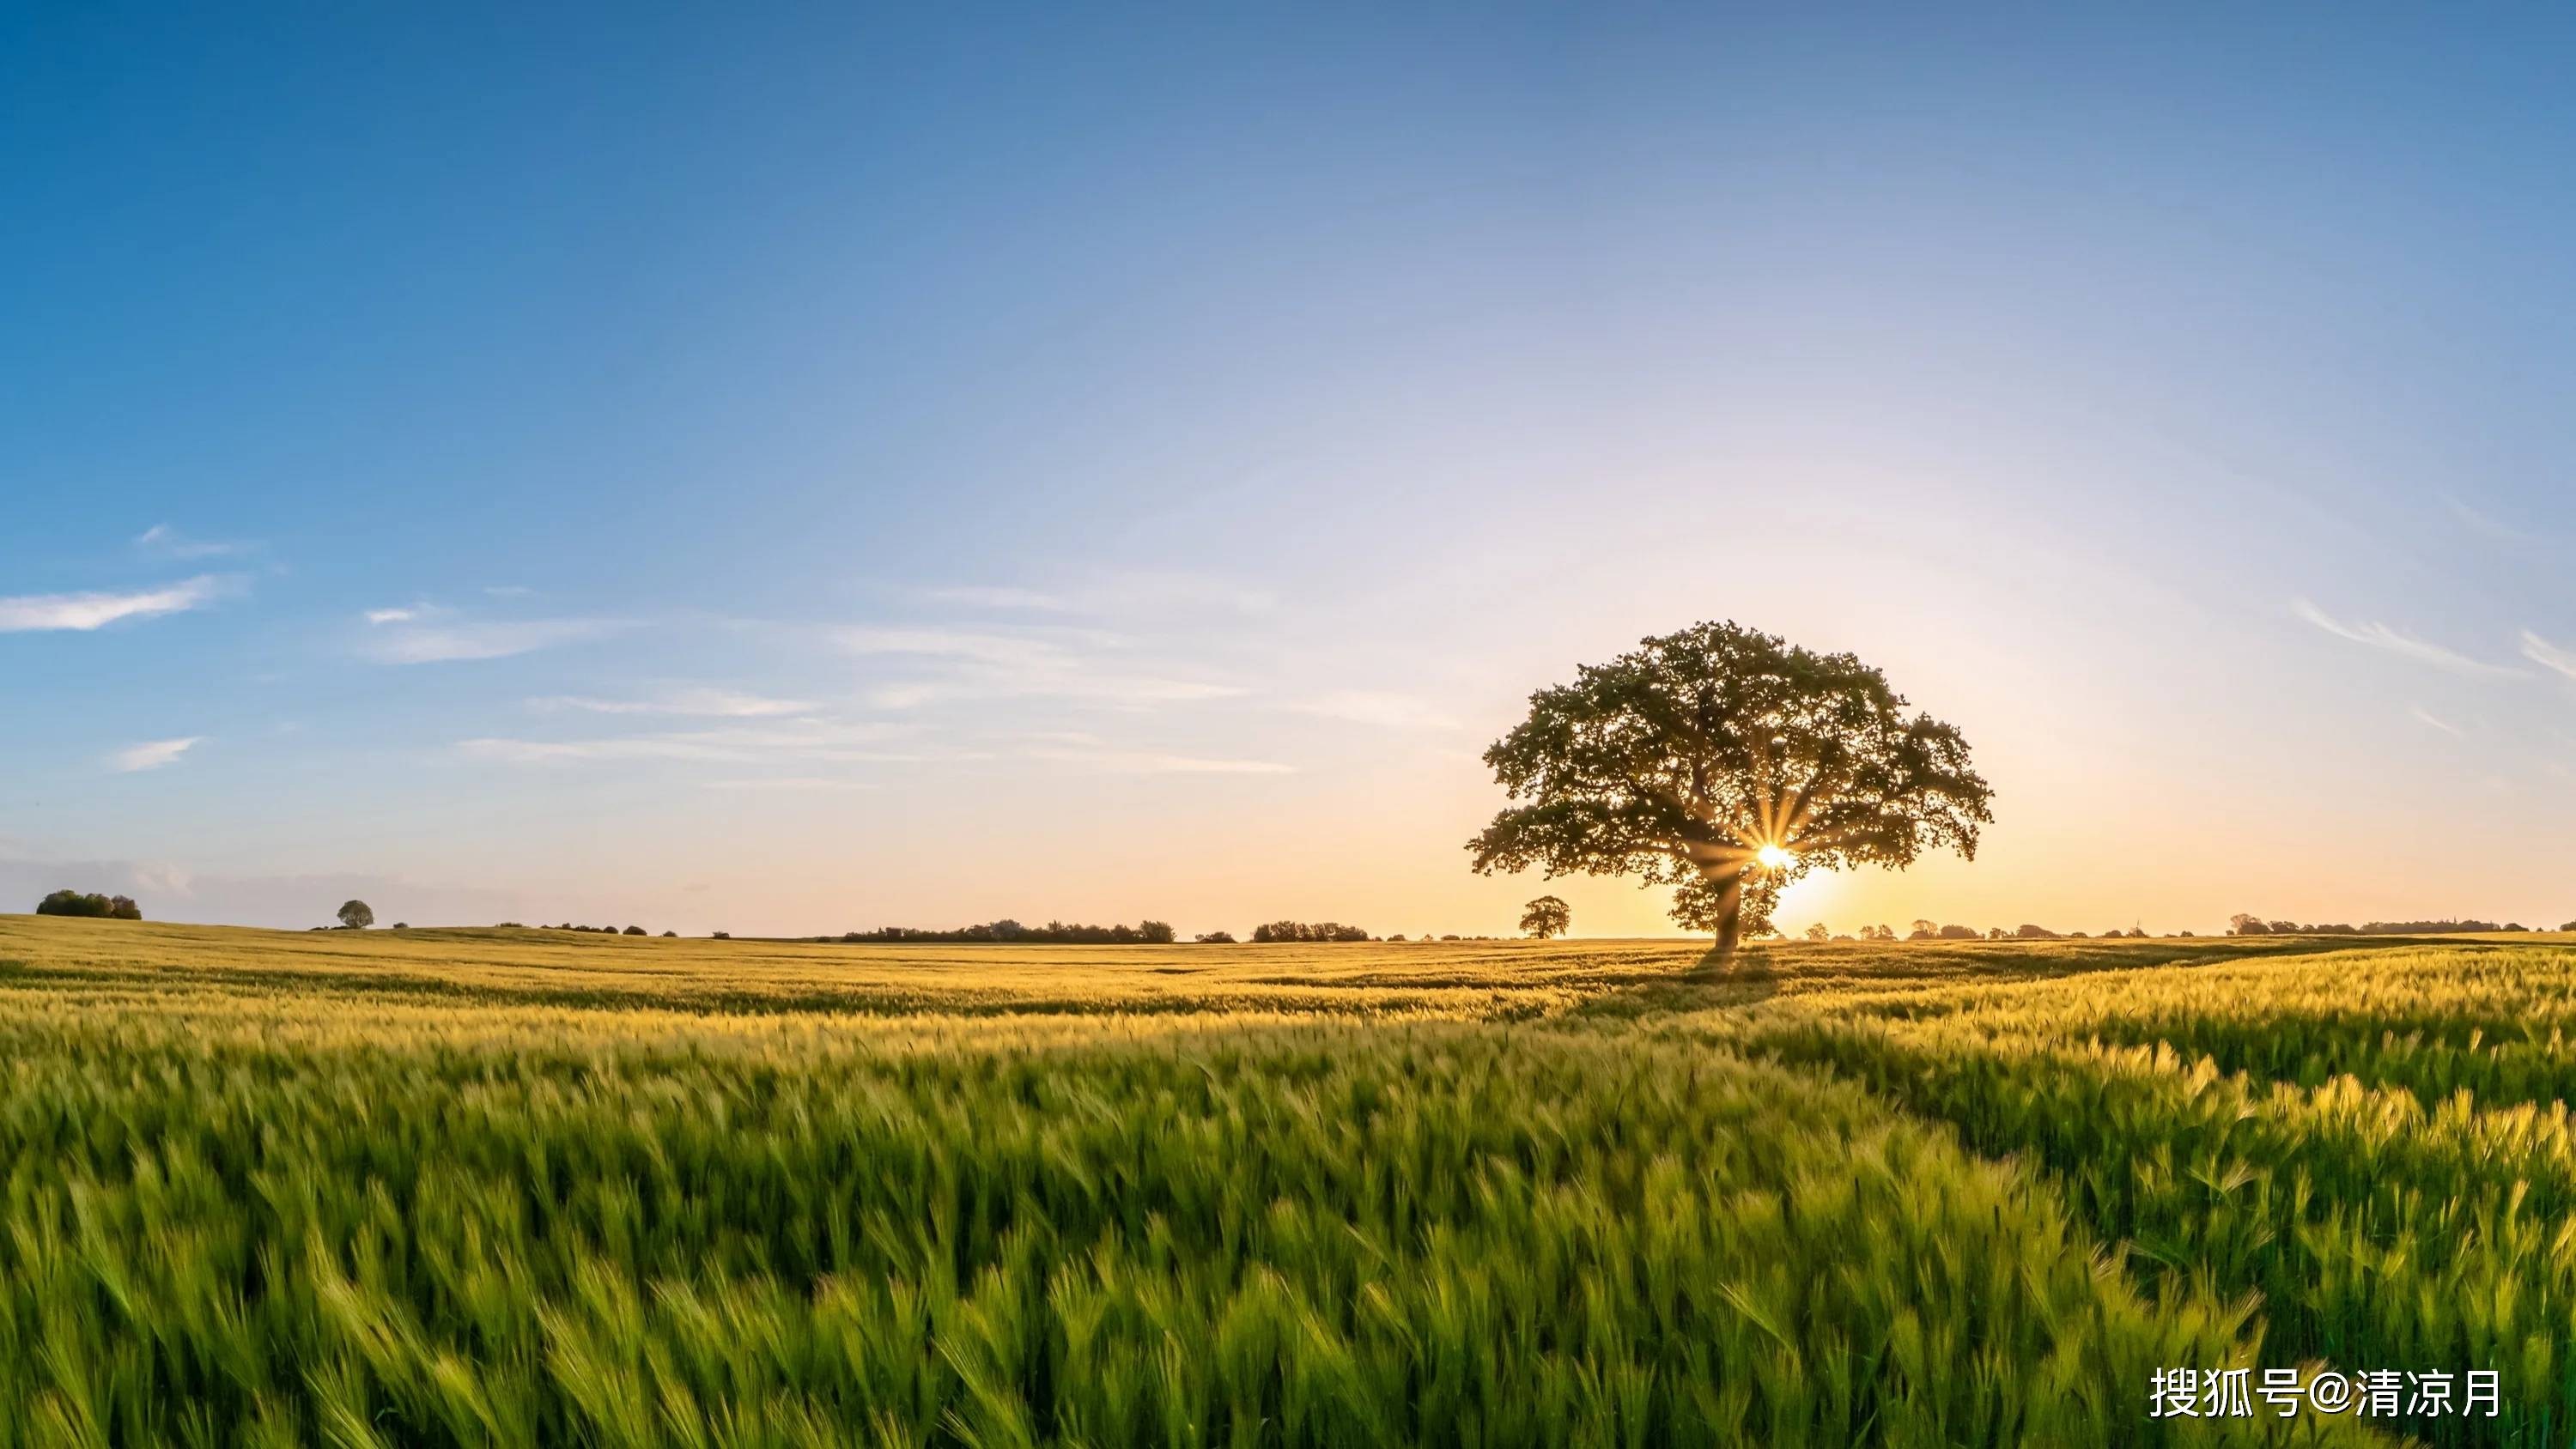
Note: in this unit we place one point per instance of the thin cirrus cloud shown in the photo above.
(1133, 592)
(1069, 664)
(169, 542)
(1155, 762)
(2382, 637)
(703, 703)
(29, 613)
(152, 754)
(2426, 717)
(1371, 707)
(2548, 656)
(411, 636)
(795, 740)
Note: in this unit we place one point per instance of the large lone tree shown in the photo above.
(1723, 761)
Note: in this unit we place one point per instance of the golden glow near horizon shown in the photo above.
(1772, 857)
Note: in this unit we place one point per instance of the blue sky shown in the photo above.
(811, 468)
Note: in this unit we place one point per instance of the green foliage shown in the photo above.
(1547, 918)
(95, 907)
(510, 1187)
(1680, 761)
(356, 915)
(1308, 931)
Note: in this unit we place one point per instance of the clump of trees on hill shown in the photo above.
(2245, 923)
(1053, 933)
(94, 906)
(1308, 931)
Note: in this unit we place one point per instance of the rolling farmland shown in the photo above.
(508, 1187)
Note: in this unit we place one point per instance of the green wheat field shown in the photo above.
(504, 1187)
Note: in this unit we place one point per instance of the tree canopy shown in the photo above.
(1726, 763)
(1547, 917)
(100, 907)
(357, 915)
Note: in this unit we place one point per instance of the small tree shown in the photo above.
(1547, 917)
(356, 915)
(1817, 932)
(1726, 763)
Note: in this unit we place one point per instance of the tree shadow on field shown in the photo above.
(1712, 982)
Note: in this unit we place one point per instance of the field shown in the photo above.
(530, 1187)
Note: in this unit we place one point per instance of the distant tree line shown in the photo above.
(1308, 931)
(98, 907)
(1053, 933)
(2245, 923)
(1931, 931)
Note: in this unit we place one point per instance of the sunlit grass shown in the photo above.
(530, 1187)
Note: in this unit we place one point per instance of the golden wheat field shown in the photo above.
(492, 1187)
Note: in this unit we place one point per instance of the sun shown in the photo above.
(1773, 857)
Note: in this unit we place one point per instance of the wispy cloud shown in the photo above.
(2485, 525)
(392, 616)
(2547, 655)
(793, 740)
(975, 596)
(2381, 636)
(707, 703)
(408, 641)
(797, 783)
(1151, 591)
(151, 755)
(31, 612)
(168, 542)
(1154, 762)
(1370, 707)
(2425, 716)
(1073, 664)
(1003, 651)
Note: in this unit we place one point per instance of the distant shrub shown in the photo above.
(93, 906)
(668, 934)
(1308, 931)
(509, 926)
(1215, 938)
(2570, 926)
(635, 930)
(1958, 933)
(356, 915)
(2036, 933)
(402, 925)
(723, 936)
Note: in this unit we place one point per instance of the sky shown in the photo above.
(790, 470)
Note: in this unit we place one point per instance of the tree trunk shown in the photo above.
(1730, 921)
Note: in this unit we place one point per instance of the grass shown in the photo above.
(512, 1187)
